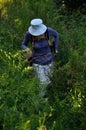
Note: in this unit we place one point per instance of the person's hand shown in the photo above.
(29, 53)
(56, 53)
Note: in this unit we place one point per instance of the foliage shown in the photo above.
(21, 107)
(71, 5)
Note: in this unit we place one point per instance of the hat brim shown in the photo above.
(37, 31)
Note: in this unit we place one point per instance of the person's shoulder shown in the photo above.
(27, 33)
(50, 29)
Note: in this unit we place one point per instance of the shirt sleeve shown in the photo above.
(26, 40)
(54, 33)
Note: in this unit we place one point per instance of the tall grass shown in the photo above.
(21, 108)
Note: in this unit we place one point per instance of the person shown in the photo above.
(38, 35)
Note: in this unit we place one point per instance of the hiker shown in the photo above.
(38, 36)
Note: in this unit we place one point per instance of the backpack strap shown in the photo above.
(46, 36)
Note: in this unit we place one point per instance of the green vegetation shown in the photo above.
(20, 105)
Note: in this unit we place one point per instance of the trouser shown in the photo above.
(43, 72)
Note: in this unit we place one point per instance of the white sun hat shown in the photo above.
(37, 27)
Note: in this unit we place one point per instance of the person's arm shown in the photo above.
(54, 33)
(25, 42)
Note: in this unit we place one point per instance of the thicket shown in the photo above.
(20, 105)
(71, 5)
